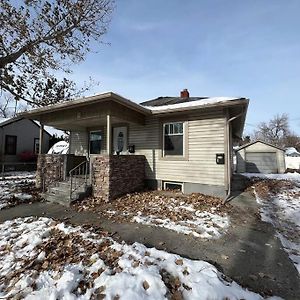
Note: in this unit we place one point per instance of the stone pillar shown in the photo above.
(50, 168)
(116, 175)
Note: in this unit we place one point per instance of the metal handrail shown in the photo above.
(79, 171)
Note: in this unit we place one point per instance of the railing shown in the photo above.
(78, 177)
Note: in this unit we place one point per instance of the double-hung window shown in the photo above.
(10, 144)
(173, 139)
(95, 142)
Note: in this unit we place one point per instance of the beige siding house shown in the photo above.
(185, 142)
(260, 157)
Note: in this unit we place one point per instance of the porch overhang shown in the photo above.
(89, 112)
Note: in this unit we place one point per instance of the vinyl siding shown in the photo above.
(26, 131)
(205, 138)
(78, 142)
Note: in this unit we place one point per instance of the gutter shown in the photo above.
(228, 165)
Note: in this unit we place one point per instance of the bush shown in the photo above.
(27, 156)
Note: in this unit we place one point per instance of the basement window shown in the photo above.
(173, 186)
(173, 139)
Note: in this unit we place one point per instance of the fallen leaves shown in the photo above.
(146, 285)
(179, 262)
(163, 209)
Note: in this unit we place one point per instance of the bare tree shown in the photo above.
(38, 38)
(9, 107)
(4, 108)
(276, 132)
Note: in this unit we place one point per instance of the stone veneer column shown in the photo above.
(51, 168)
(113, 175)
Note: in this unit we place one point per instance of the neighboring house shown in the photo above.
(169, 142)
(260, 157)
(292, 158)
(19, 135)
(292, 152)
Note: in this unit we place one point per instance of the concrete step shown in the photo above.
(61, 194)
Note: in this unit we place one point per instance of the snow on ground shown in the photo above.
(288, 176)
(203, 224)
(282, 210)
(11, 186)
(43, 259)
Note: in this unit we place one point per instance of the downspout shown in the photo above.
(228, 164)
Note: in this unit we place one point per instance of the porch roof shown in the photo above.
(89, 112)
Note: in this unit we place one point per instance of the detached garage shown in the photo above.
(260, 157)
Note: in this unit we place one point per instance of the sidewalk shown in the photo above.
(249, 252)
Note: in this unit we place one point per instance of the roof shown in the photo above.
(180, 104)
(169, 100)
(155, 106)
(292, 151)
(259, 141)
(7, 121)
(86, 100)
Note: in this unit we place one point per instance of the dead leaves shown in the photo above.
(146, 285)
(270, 187)
(179, 262)
(172, 206)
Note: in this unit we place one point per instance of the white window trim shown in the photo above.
(89, 140)
(183, 139)
(173, 182)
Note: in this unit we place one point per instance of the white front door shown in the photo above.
(120, 140)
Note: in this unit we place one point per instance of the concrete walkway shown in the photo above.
(249, 252)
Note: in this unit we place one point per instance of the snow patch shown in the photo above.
(204, 102)
(288, 176)
(203, 225)
(283, 212)
(142, 274)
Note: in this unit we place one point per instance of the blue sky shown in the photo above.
(213, 48)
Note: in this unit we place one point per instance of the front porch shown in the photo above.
(99, 153)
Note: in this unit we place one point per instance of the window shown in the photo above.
(10, 144)
(36, 146)
(95, 142)
(173, 186)
(173, 139)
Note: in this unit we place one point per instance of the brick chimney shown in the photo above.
(184, 93)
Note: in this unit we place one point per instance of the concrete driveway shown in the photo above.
(249, 252)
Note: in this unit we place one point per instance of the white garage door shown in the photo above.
(261, 162)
